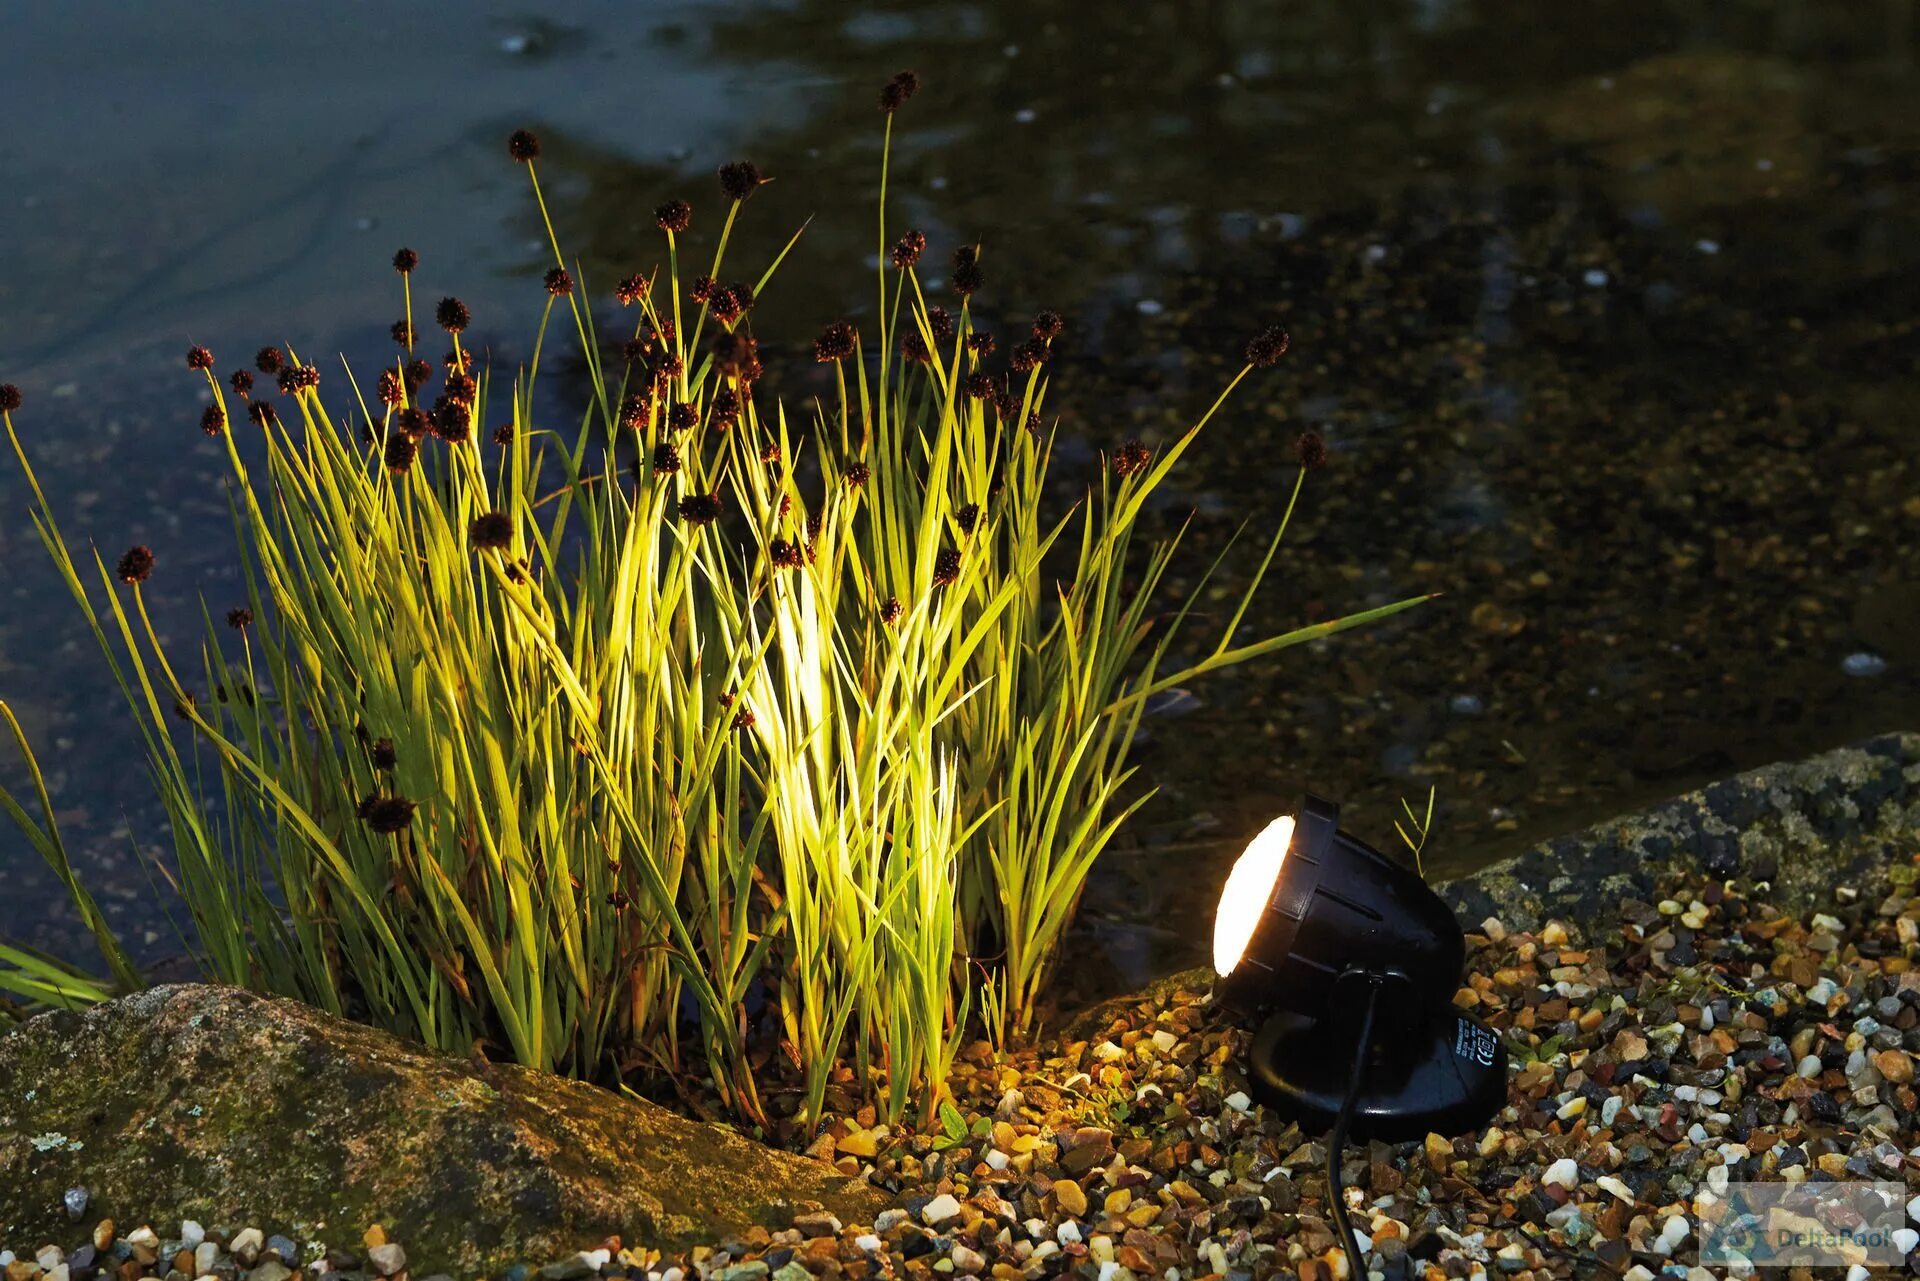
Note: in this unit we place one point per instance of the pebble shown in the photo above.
(939, 1210)
(387, 1259)
(1564, 1173)
(76, 1202)
(1863, 664)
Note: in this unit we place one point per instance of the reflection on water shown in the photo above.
(1608, 322)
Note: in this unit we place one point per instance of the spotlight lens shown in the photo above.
(1248, 888)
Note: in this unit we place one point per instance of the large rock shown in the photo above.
(219, 1105)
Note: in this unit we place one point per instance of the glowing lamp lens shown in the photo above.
(1248, 888)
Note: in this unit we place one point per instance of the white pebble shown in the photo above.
(192, 1234)
(1565, 1172)
(1595, 278)
(1239, 1101)
(1858, 1272)
(868, 1242)
(1617, 1186)
(940, 1209)
(996, 1160)
(1905, 1239)
(1809, 1067)
(1610, 1109)
(1068, 1233)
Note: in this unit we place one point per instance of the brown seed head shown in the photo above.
(835, 343)
(630, 291)
(1267, 347)
(402, 333)
(405, 260)
(559, 281)
(1131, 458)
(213, 420)
(675, 216)
(382, 754)
(268, 360)
(946, 567)
(240, 618)
(890, 610)
(906, 251)
(452, 315)
(1312, 450)
(135, 564)
(700, 509)
(666, 459)
(738, 179)
(387, 815)
(199, 358)
(401, 451)
(491, 532)
(241, 380)
(856, 476)
(523, 146)
(1047, 325)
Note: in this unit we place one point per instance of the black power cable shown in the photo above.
(1337, 1140)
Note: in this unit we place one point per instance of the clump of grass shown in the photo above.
(769, 762)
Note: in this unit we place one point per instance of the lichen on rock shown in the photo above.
(220, 1105)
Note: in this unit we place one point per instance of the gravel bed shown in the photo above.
(1705, 1037)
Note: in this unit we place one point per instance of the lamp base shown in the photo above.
(1445, 1075)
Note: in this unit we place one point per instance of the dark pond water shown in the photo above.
(1610, 324)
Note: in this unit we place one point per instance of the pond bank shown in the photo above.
(1722, 987)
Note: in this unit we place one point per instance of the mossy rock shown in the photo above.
(223, 1106)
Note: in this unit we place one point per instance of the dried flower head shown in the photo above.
(1047, 325)
(134, 564)
(1028, 356)
(634, 350)
(199, 358)
(786, 554)
(405, 260)
(675, 216)
(913, 348)
(906, 251)
(940, 324)
(491, 532)
(724, 408)
(304, 377)
(856, 476)
(635, 410)
(1131, 458)
(382, 754)
(462, 360)
(503, 434)
(462, 387)
(666, 459)
(240, 618)
(890, 610)
(738, 179)
(979, 343)
(9, 398)
(701, 290)
(683, 416)
(452, 420)
(967, 517)
(413, 421)
(387, 815)
(401, 451)
(836, 342)
(402, 333)
(1312, 450)
(732, 302)
(241, 380)
(700, 509)
(743, 719)
(559, 281)
(213, 420)
(268, 360)
(967, 277)
(770, 453)
(1006, 405)
(897, 90)
(523, 146)
(1267, 347)
(418, 374)
(452, 315)
(980, 385)
(737, 354)
(946, 567)
(262, 413)
(631, 290)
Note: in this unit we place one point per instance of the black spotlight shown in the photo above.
(1352, 961)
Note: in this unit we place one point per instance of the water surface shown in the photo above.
(1609, 323)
